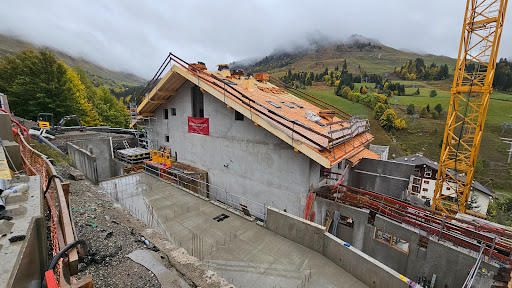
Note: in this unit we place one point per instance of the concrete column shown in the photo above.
(358, 234)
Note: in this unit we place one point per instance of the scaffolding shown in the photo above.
(143, 135)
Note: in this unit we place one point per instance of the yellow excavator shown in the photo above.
(46, 128)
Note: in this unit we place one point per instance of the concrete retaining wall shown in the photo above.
(382, 176)
(450, 264)
(83, 161)
(101, 149)
(363, 267)
(298, 230)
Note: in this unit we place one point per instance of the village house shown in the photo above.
(423, 183)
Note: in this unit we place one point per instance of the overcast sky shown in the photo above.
(135, 36)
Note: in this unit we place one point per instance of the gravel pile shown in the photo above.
(111, 233)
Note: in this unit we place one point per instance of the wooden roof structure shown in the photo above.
(326, 141)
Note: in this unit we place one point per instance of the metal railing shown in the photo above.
(212, 192)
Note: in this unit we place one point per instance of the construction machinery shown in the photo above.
(45, 120)
(46, 128)
(480, 40)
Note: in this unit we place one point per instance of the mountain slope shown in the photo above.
(369, 55)
(98, 74)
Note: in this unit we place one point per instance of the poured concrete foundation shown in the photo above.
(243, 252)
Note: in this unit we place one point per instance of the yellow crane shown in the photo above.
(472, 86)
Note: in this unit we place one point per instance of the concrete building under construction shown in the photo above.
(254, 139)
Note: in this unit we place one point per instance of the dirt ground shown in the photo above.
(112, 233)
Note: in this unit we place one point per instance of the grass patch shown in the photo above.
(426, 134)
(51, 153)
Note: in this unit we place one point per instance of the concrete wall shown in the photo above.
(3, 102)
(118, 167)
(6, 127)
(239, 157)
(450, 264)
(363, 267)
(298, 230)
(83, 161)
(390, 178)
(13, 149)
(102, 150)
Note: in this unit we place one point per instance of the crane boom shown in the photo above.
(472, 86)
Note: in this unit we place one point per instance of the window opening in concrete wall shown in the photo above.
(391, 240)
(166, 138)
(400, 244)
(371, 217)
(166, 113)
(197, 102)
(173, 111)
(417, 172)
(423, 242)
(239, 116)
(346, 221)
(382, 236)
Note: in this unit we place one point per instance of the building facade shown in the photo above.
(423, 183)
(243, 156)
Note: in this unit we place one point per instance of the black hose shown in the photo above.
(49, 182)
(61, 252)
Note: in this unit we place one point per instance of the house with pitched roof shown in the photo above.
(266, 144)
(423, 183)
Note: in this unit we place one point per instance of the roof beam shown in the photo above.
(147, 114)
(158, 101)
(166, 92)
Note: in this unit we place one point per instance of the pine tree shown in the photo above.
(438, 108)
(410, 109)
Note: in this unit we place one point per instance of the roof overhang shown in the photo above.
(160, 94)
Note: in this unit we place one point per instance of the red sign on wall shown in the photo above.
(199, 125)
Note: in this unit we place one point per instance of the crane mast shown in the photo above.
(472, 86)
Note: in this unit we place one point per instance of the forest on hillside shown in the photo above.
(503, 75)
(36, 82)
(417, 70)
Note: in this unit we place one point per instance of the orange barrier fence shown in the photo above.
(57, 198)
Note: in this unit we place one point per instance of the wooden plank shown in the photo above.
(328, 224)
(166, 92)
(147, 114)
(66, 225)
(159, 101)
(65, 189)
(85, 282)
